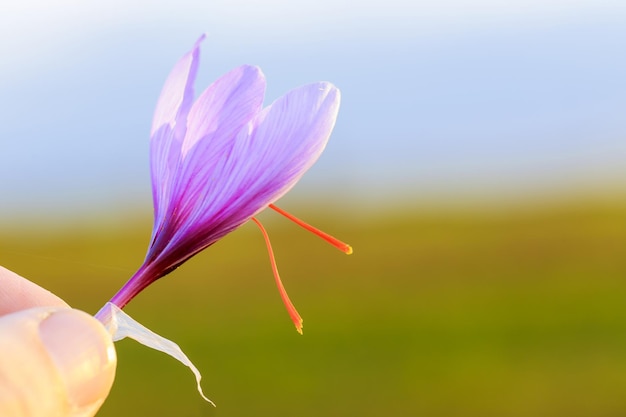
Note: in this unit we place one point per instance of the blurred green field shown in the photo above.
(447, 311)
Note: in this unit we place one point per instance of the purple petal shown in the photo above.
(164, 160)
(289, 137)
(177, 93)
(266, 159)
(168, 129)
(285, 141)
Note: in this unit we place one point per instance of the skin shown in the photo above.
(54, 360)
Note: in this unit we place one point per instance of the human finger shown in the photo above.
(17, 293)
(54, 362)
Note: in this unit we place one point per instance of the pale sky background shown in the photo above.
(438, 98)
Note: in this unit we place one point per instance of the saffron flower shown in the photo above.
(218, 161)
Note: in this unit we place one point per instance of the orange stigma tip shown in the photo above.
(344, 247)
(291, 309)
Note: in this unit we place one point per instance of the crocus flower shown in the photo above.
(218, 161)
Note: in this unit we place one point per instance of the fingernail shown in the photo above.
(83, 353)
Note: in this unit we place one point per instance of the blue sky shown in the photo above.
(438, 98)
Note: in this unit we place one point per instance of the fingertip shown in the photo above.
(83, 354)
(54, 362)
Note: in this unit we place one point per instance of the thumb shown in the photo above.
(54, 362)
